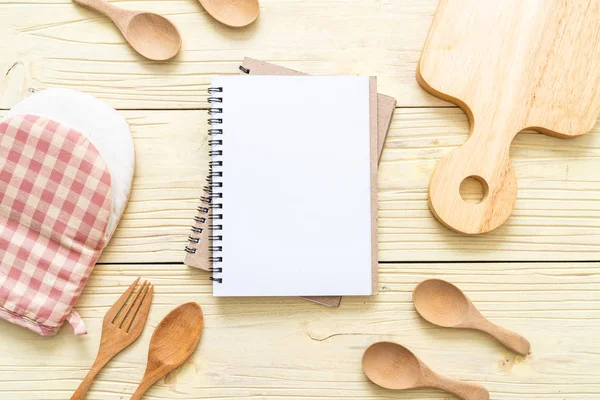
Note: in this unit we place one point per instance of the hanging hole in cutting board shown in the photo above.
(473, 189)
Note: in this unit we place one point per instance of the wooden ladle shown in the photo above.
(393, 366)
(234, 13)
(173, 342)
(443, 304)
(151, 35)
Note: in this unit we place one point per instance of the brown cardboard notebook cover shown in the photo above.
(383, 109)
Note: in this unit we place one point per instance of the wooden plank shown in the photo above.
(557, 215)
(287, 348)
(49, 44)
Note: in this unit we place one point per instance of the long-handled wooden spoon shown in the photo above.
(234, 13)
(151, 35)
(443, 304)
(173, 341)
(393, 366)
(122, 325)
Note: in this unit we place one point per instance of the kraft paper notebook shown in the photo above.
(199, 240)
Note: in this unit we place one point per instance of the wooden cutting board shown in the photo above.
(510, 65)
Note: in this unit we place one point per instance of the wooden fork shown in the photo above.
(122, 325)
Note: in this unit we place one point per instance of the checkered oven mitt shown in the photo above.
(55, 203)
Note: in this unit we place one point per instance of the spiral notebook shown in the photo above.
(198, 252)
(291, 216)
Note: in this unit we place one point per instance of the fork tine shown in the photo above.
(128, 306)
(138, 320)
(135, 306)
(114, 310)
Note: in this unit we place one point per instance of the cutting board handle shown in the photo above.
(481, 159)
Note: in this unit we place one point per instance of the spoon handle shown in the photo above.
(148, 380)
(464, 390)
(120, 16)
(510, 339)
(102, 6)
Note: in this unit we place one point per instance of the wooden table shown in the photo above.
(537, 275)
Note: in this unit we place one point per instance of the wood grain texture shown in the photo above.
(554, 213)
(278, 349)
(48, 44)
(510, 65)
(557, 215)
(257, 348)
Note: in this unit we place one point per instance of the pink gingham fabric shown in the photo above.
(55, 202)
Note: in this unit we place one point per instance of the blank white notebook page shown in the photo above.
(296, 194)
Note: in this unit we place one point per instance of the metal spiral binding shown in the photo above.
(199, 220)
(215, 180)
(212, 189)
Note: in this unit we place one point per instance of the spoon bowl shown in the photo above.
(440, 302)
(176, 336)
(153, 36)
(443, 304)
(393, 366)
(234, 13)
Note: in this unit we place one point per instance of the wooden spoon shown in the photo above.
(393, 366)
(151, 35)
(234, 13)
(173, 341)
(443, 304)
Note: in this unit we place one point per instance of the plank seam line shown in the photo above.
(206, 108)
(402, 262)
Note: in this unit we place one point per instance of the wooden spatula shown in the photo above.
(122, 325)
(510, 65)
(173, 341)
